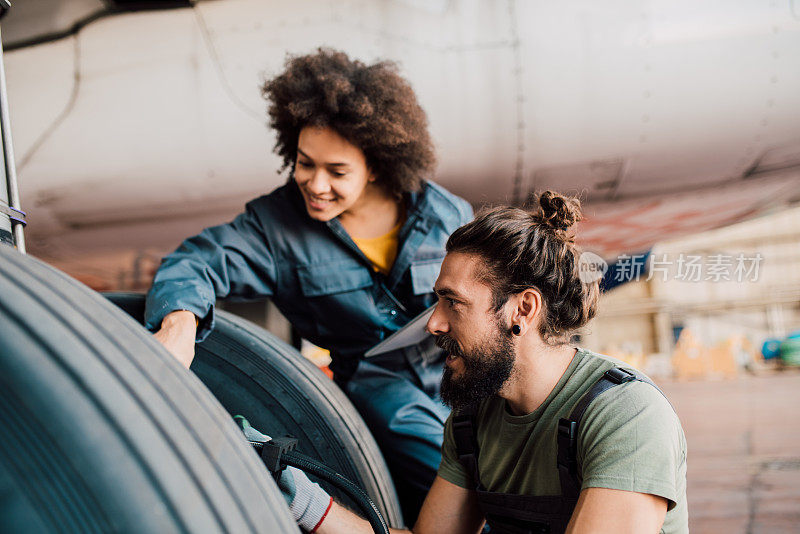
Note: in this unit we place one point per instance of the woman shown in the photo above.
(348, 250)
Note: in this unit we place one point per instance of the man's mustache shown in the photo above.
(449, 345)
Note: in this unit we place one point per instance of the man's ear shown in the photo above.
(527, 310)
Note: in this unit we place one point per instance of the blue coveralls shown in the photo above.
(329, 291)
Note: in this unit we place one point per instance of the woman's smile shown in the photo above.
(318, 203)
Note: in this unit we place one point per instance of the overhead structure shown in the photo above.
(666, 117)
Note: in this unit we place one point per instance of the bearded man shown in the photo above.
(544, 436)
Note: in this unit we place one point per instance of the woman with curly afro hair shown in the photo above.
(348, 249)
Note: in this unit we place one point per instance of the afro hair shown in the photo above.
(371, 106)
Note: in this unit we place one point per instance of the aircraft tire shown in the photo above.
(103, 431)
(255, 374)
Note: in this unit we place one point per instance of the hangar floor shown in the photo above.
(744, 452)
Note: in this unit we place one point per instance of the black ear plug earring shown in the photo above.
(516, 330)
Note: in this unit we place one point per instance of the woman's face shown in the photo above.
(331, 172)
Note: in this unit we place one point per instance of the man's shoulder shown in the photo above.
(635, 400)
(637, 403)
(629, 394)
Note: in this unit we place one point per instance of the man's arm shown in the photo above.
(603, 510)
(447, 508)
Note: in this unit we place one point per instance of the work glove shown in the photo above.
(308, 502)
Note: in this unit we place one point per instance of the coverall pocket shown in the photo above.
(339, 294)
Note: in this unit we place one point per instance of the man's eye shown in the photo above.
(451, 302)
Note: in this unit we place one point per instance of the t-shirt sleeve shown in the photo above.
(632, 440)
(451, 468)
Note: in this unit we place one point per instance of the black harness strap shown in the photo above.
(466, 442)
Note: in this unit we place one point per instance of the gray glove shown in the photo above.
(307, 501)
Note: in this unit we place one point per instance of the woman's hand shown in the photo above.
(177, 333)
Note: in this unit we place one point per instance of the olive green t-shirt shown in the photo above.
(629, 439)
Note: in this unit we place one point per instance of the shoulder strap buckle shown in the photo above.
(617, 375)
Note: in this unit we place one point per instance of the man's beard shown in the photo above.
(485, 370)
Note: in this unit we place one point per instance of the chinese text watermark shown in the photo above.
(679, 267)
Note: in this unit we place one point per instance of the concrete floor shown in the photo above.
(743, 441)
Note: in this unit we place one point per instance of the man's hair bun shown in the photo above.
(557, 211)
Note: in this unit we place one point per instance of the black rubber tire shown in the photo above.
(255, 374)
(103, 431)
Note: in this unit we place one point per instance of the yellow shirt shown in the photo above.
(381, 250)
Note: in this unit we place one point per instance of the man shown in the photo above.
(544, 437)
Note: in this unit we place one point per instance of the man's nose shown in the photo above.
(437, 324)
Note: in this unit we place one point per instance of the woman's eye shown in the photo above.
(338, 174)
(305, 164)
